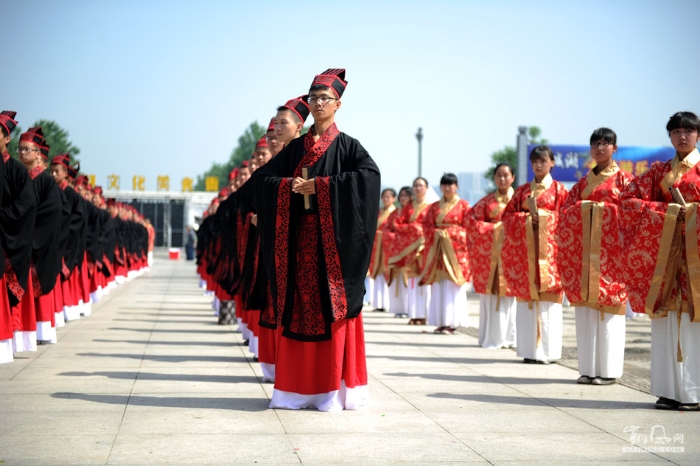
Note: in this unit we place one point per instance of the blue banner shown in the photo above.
(571, 163)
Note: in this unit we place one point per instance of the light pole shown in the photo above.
(419, 136)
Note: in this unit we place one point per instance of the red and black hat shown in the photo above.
(233, 174)
(33, 136)
(271, 126)
(300, 106)
(245, 164)
(97, 190)
(61, 159)
(262, 142)
(7, 120)
(73, 171)
(333, 78)
(44, 149)
(81, 180)
(111, 202)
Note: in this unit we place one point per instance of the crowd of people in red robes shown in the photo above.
(64, 245)
(613, 245)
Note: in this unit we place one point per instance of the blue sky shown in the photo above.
(166, 87)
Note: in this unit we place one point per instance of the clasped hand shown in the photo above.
(302, 186)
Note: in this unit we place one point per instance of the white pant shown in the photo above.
(380, 293)
(398, 297)
(496, 324)
(550, 324)
(678, 381)
(448, 305)
(600, 343)
(418, 299)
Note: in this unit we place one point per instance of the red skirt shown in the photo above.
(268, 341)
(310, 368)
(5, 313)
(24, 313)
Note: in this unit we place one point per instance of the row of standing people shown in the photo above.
(285, 247)
(611, 240)
(64, 246)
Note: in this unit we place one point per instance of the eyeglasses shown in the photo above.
(323, 100)
(21, 150)
(600, 145)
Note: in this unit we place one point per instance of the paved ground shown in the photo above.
(150, 379)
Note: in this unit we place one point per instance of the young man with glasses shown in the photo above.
(317, 205)
(17, 214)
(46, 259)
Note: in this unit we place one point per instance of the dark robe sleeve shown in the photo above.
(46, 251)
(17, 217)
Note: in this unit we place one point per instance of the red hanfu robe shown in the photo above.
(377, 260)
(529, 255)
(662, 263)
(445, 255)
(485, 235)
(590, 257)
(405, 248)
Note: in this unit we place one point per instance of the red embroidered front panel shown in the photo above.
(314, 150)
(35, 281)
(36, 171)
(307, 318)
(282, 243)
(267, 314)
(11, 278)
(480, 242)
(336, 285)
(454, 225)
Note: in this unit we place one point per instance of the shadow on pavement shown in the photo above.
(482, 379)
(554, 402)
(135, 375)
(169, 358)
(171, 343)
(235, 404)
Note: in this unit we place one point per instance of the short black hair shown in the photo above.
(4, 131)
(504, 164)
(421, 178)
(449, 178)
(541, 153)
(408, 190)
(320, 87)
(606, 134)
(389, 190)
(294, 115)
(685, 120)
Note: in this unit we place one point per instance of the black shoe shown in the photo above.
(529, 361)
(246, 343)
(379, 309)
(666, 403)
(688, 407)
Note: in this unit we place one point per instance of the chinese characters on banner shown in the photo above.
(138, 183)
(571, 163)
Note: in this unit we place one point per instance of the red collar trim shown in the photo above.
(36, 171)
(316, 149)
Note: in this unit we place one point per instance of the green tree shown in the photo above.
(509, 155)
(243, 151)
(55, 136)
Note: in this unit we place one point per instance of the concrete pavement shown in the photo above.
(150, 378)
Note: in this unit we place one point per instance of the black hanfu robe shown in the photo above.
(317, 259)
(45, 243)
(17, 214)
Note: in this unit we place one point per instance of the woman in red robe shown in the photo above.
(405, 258)
(395, 274)
(660, 224)
(590, 263)
(446, 259)
(485, 235)
(529, 260)
(379, 291)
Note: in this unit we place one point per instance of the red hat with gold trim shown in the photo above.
(7, 120)
(300, 106)
(33, 136)
(333, 78)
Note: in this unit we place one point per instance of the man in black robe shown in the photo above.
(317, 204)
(17, 213)
(46, 261)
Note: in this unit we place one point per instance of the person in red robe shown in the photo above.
(317, 205)
(446, 258)
(405, 256)
(529, 261)
(591, 262)
(485, 240)
(378, 289)
(661, 231)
